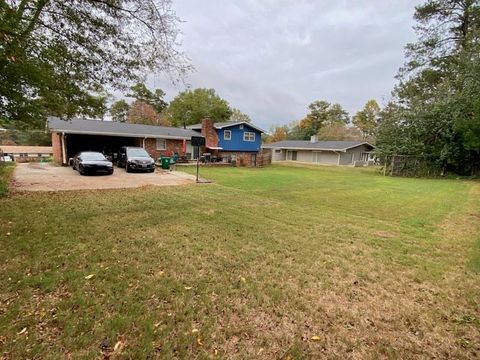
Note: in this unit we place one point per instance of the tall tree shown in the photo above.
(278, 133)
(239, 116)
(154, 98)
(119, 111)
(367, 118)
(435, 95)
(189, 107)
(143, 113)
(298, 130)
(322, 113)
(56, 55)
(340, 131)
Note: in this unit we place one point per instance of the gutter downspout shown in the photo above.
(143, 142)
(339, 156)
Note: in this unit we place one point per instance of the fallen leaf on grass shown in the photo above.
(194, 331)
(315, 338)
(188, 288)
(118, 346)
(88, 277)
(199, 341)
(242, 279)
(23, 331)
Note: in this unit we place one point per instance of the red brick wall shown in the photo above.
(245, 158)
(172, 147)
(209, 133)
(57, 148)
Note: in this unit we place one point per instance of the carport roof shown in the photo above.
(111, 128)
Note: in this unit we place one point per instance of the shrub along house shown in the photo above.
(74, 135)
(321, 152)
(237, 142)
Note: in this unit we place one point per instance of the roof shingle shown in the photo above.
(318, 145)
(221, 125)
(93, 127)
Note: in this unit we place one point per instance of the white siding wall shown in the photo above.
(304, 156)
(278, 156)
(352, 155)
(324, 157)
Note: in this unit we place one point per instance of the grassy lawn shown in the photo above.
(6, 171)
(270, 263)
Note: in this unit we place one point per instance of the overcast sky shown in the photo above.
(271, 58)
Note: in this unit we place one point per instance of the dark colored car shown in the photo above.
(91, 162)
(135, 158)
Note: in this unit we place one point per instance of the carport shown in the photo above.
(107, 145)
(74, 135)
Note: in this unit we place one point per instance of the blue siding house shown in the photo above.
(239, 142)
(239, 137)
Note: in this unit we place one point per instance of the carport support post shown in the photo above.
(198, 160)
(64, 149)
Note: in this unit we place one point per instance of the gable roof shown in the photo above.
(318, 145)
(112, 128)
(226, 124)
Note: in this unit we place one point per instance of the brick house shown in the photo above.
(26, 153)
(238, 142)
(74, 135)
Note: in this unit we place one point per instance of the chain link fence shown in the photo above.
(411, 166)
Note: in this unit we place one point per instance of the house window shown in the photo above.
(227, 135)
(161, 144)
(248, 136)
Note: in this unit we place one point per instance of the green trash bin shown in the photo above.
(165, 163)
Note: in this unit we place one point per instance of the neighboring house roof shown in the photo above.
(11, 149)
(112, 128)
(318, 145)
(226, 124)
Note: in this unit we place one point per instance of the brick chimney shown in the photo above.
(209, 133)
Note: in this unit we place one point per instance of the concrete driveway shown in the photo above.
(47, 177)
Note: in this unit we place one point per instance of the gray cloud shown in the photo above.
(272, 58)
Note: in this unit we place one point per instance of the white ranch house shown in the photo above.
(321, 152)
